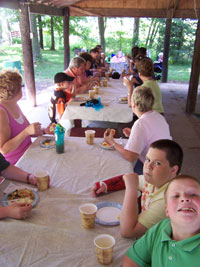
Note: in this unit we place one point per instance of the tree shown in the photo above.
(39, 17)
(35, 43)
(52, 35)
(102, 27)
(136, 23)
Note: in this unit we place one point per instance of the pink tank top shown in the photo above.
(16, 128)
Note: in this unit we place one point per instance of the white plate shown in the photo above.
(51, 141)
(108, 213)
(111, 148)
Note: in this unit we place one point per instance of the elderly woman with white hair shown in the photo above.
(15, 130)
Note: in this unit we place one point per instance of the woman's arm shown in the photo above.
(9, 145)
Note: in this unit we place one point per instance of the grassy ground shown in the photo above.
(52, 62)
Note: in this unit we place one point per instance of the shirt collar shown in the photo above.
(187, 244)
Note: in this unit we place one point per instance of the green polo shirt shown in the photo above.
(157, 249)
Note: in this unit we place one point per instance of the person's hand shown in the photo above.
(50, 128)
(108, 136)
(96, 192)
(19, 210)
(34, 129)
(127, 132)
(131, 181)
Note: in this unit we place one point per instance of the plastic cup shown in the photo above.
(104, 248)
(88, 214)
(89, 134)
(92, 94)
(42, 178)
(107, 76)
(96, 89)
(105, 83)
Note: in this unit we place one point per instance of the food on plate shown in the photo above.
(123, 99)
(21, 196)
(49, 142)
(105, 144)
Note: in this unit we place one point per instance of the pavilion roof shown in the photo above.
(113, 8)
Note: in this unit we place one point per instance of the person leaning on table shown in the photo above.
(162, 163)
(9, 171)
(174, 241)
(150, 126)
(15, 129)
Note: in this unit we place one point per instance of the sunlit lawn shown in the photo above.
(53, 62)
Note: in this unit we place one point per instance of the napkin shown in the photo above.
(97, 105)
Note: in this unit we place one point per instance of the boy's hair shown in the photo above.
(143, 98)
(94, 50)
(180, 177)
(86, 56)
(174, 153)
(134, 51)
(142, 51)
(145, 67)
(76, 62)
(10, 84)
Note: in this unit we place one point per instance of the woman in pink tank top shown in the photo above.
(15, 130)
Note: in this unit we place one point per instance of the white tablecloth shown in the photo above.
(52, 235)
(112, 111)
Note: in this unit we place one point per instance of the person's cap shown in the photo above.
(62, 77)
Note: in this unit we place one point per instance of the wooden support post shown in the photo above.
(66, 37)
(27, 52)
(194, 76)
(166, 50)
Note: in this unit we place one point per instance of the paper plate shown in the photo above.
(48, 143)
(110, 147)
(6, 202)
(108, 213)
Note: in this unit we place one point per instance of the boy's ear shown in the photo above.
(166, 210)
(175, 170)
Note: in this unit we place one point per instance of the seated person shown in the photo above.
(150, 126)
(118, 58)
(15, 129)
(173, 241)
(17, 210)
(163, 162)
(133, 80)
(88, 75)
(146, 71)
(76, 69)
(63, 94)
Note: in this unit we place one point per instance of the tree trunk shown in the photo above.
(101, 32)
(52, 35)
(136, 24)
(1, 31)
(35, 43)
(166, 50)
(66, 37)
(27, 52)
(149, 32)
(40, 31)
(194, 76)
(9, 32)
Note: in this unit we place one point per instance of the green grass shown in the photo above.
(179, 73)
(53, 62)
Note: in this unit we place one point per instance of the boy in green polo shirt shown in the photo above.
(174, 241)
